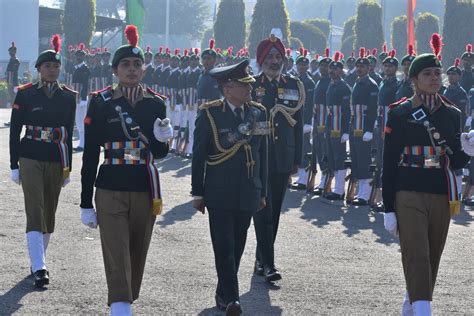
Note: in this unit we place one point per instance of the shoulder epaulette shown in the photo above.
(211, 104)
(258, 105)
(24, 86)
(149, 90)
(100, 91)
(394, 105)
(65, 87)
(447, 102)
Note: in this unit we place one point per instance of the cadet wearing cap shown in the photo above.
(283, 96)
(191, 110)
(405, 89)
(106, 72)
(41, 161)
(421, 150)
(364, 112)
(387, 96)
(318, 155)
(229, 173)
(302, 66)
(175, 98)
(467, 77)
(207, 88)
(351, 75)
(373, 67)
(80, 83)
(337, 127)
(12, 72)
(129, 123)
(149, 69)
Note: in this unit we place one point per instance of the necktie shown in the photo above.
(238, 113)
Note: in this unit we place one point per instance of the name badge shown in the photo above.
(432, 161)
(288, 94)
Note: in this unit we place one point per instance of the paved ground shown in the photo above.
(334, 260)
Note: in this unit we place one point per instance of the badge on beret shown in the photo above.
(128, 120)
(135, 50)
(57, 57)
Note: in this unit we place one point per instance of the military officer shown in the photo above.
(207, 87)
(191, 110)
(319, 122)
(350, 76)
(373, 66)
(302, 66)
(283, 96)
(405, 89)
(149, 69)
(421, 148)
(467, 77)
(364, 112)
(337, 126)
(229, 173)
(41, 161)
(80, 83)
(129, 123)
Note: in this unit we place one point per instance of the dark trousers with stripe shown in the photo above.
(360, 157)
(229, 235)
(318, 150)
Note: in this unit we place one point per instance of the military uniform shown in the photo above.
(12, 72)
(106, 71)
(229, 171)
(80, 83)
(191, 110)
(467, 76)
(207, 88)
(351, 77)
(387, 95)
(175, 102)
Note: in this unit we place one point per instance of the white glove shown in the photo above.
(163, 130)
(344, 138)
(66, 181)
(15, 176)
(89, 217)
(307, 129)
(468, 122)
(367, 137)
(467, 143)
(83, 103)
(390, 223)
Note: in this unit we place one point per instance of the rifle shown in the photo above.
(328, 182)
(312, 171)
(352, 186)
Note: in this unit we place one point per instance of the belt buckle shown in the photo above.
(46, 135)
(131, 154)
(432, 161)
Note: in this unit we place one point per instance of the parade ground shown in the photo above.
(334, 260)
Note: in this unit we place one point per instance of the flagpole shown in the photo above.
(167, 27)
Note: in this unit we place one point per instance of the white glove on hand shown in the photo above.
(307, 129)
(83, 103)
(467, 143)
(89, 217)
(163, 130)
(367, 137)
(66, 181)
(15, 176)
(390, 223)
(344, 138)
(468, 122)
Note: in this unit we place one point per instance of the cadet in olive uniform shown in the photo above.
(405, 89)
(387, 96)
(364, 112)
(129, 123)
(319, 122)
(80, 83)
(467, 77)
(207, 88)
(302, 66)
(41, 161)
(351, 75)
(283, 96)
(229, 173)
(421, 148)
(338, 99)
(149, 69)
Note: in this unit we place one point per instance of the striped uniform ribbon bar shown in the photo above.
(426, 151)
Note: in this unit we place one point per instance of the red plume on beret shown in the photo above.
(176, 51)
(301, 51)
(186, 52)
(168, 50)
(374, 51)
(288, 52)
(229, 50)
(316, 56)
(362, 52)
(82, 46)
(469, 48)
(131, 33)
(457, 62)
(367, 52)
(436, 44)
(161, 49)
(305, 53)
(337, 56)
(326, 52)
(105, 49)
(384, 48)
(212, 43)
(411, 50)
(99, 50)
(352, 54)
(56, 41)
(196, 51)
(392, 53)
(70, 47)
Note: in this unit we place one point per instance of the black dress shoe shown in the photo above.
(331, 196)
(188, 156)
(41, 278)
(298, 186)
(360, 202)
(468, 202)
(233, 309)
(220, 304)
(380, 208)
(258, 268)
(272, 274)
(318, 191)
(79, 149)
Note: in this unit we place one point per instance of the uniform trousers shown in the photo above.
(336, 153)
(191, 114)
(229, 235)
(41, 182)
(81, 112)
(266, 221)
(423, 223)
(126, 224)
(360, 157)
(318, 150)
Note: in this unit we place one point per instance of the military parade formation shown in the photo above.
(384, 133)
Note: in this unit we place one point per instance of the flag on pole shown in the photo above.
(411, 22)
(136, 13)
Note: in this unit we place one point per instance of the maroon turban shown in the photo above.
(266, 45)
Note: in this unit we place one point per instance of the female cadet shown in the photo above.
(422, 147)
(41, 161)
(127, 122)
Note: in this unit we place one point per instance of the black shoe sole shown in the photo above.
(273, 278)
(258, 272)
(233, 310)
(41, 283)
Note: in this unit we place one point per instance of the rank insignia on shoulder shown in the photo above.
(65, 87)
(153, 92)
(393, 105)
